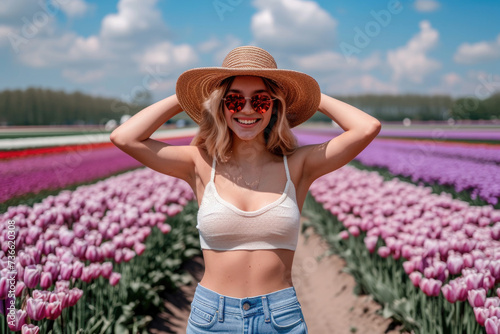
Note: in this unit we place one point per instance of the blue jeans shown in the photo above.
(276, 312)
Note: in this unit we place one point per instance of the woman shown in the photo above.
(250, 179)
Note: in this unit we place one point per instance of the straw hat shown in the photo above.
(302, 92)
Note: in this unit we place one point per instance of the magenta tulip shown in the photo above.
(492, 325)
(46, 280)
(30, 329)
(114, 278)
(53, 310)
(32, 275)
(477, 297)
(481, 314)
(455, 264)
(19, 320)
(35, 308)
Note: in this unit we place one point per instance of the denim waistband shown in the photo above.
(247, 306)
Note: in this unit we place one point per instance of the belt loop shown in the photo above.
(265, 306)
(221, 309)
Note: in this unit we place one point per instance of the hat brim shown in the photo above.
(302, 92)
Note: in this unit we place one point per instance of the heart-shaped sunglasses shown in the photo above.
(259, 102)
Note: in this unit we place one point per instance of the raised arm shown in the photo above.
(360, 129)
(132, 137)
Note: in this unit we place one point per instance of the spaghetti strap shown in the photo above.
(212, 176)
(286, 168)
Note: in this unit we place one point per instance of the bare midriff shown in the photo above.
(247, 273)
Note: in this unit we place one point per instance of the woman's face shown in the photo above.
(247, 123)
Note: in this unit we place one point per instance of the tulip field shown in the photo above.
(90, 240)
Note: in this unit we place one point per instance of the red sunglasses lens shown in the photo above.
(236, 102)
(260, 103)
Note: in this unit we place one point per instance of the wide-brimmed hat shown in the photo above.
(302, 92)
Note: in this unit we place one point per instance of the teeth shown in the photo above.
(245, 121)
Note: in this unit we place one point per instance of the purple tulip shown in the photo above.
(19, 320)
(35, 308)
(19, 288)
(477, 297)
(66, 271)
(32, 275)
(30, 329)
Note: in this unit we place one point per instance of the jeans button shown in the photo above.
(246, 306)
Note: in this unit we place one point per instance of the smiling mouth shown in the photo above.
(247, 121)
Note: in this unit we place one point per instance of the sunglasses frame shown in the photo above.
(246, 99)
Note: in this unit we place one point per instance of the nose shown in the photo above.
(247, 108)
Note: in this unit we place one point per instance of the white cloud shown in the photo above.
(347, 84)
(334, 61)
(169, 55)
(478, 52)
(74, 8)
(292, 25)
(134, 18)
(411, 62)
(426, 5)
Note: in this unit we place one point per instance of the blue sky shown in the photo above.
(122, 48)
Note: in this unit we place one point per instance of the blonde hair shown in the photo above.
(217, 138)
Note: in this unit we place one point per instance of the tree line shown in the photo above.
(37, 106)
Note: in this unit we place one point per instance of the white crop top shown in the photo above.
(223, 226)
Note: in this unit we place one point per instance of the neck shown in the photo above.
(251, 152)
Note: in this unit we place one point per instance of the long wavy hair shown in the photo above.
(216, 137)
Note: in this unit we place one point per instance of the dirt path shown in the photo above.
(324, 291)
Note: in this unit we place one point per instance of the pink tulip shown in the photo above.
(30, 329)
(344, 235)
(164, 228)
(384, 251)
(77, 269)
(409, 267)
(86, 274)
(35, 308)
(128, 254)
(19, 320)
(430, 286)
(52, 268)
(415, 278)
(371, 243)
(114, 278)
(53, 310)
(492, 325)
(32, 275)
(66, 271)
(62, 286)
(455, 264)
(41, 294)
(139, 248)
(474, 281)
(354, 231)
(19, 288)
(73, 296)
(449, 293)
(481, 314)
(79, 247)
(46, 280)
(106, 269)
(492, 301)
(477, 297)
